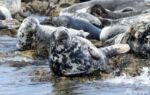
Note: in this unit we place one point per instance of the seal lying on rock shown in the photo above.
(31, 34)
(95, 32)
(75, 56)
(9, 8)
(70, 22)
(98, 10)
(112, 5)
(14, 6)
(138, 38)
(86, 17)
(5, 13)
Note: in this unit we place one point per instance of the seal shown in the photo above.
(136, 34)
(31, 34)
(76, 56)
(9, 8)
(107, 4)
(99, 11)
(14, 6)
(138, 38)
(86, 17)
(111, 31)
(5, 13)
(70, 22)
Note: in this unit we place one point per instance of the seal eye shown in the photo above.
(22, 35)
(62, 36)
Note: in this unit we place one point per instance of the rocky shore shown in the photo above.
(130, 64)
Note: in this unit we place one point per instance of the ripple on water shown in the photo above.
(14, 81)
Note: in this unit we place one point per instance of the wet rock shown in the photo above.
(40, 75)
(46, 7)
(130, 64)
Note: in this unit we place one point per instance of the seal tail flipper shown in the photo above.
(116, 49)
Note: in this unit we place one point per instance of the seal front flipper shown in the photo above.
(91, 48)
(116, 49)
(94, 53)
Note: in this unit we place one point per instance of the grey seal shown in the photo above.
(78, 24)
(98, 10)
(136, 34)
(76, 56)
(9, 8)
(121, 26)
(127, 21)
(14, 6)
(5, 13)
(31, 34)
(86, 17)
(138, 38)
(112, 5)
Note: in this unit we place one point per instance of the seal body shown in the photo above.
(76, 56)
(98, 10)
(14, 6)
(111, 31)
(138, 38)
(5, 13)
(70, 22)
(86, 17)
(108, 4)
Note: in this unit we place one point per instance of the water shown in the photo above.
(17, 81)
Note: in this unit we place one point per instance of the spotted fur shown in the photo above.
(73, 55)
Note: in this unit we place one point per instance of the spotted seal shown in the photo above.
(136, 33)
(138, 38)
(120, 26)
(76, 56)
(31, 34)
(86, 17)
(78, 24)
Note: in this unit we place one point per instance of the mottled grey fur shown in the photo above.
(75, 56)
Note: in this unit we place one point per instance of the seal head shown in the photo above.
(26, 33)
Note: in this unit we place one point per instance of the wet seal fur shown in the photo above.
(71, 22)
(86, 17)
(76, 56)
(138, 38)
